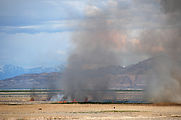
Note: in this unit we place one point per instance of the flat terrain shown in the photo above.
(90, 112)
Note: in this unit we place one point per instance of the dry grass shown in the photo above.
(89, 111)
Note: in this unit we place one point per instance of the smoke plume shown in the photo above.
(164, 83)
(97, 45)
(94, 48)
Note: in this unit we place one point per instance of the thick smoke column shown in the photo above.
(94, 48)
(165, 79)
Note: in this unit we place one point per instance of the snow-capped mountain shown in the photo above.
(8, 71)
(130, 77)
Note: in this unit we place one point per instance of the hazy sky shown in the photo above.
(38, 32)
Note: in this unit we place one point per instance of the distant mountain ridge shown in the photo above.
(8, 71)
(130, 77)
(30, 81)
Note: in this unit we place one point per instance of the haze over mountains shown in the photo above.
(130, 77)
(8, 71)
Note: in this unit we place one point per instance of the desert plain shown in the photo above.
(90, 112)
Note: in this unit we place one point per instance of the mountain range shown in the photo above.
(9, 71)
(130, 77)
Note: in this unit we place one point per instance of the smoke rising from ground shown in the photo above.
(94, 48)
(98, 46)
(165, 80)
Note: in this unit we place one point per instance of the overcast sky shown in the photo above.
(38, 32)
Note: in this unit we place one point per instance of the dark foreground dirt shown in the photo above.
(90, 112)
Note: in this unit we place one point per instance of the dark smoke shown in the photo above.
(94, 48)
(165, 79)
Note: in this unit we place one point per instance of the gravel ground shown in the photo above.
(90, 112)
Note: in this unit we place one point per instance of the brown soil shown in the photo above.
(90, 112)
